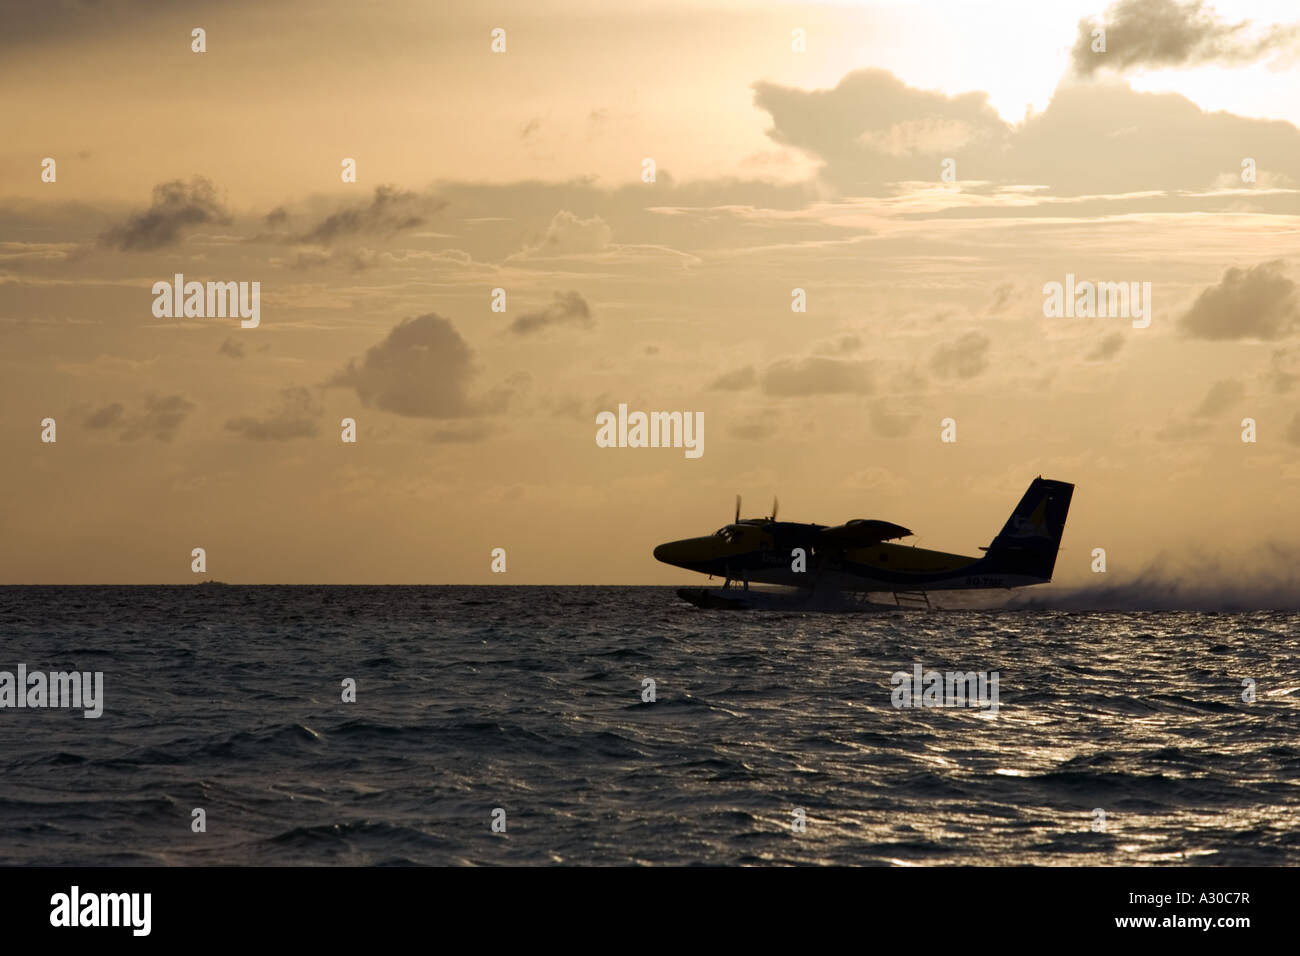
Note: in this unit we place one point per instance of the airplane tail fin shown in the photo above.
(1028, 542)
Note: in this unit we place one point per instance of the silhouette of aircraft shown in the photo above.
(858, 557)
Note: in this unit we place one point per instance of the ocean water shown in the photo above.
(529, 699)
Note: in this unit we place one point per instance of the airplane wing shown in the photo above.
(863, 531)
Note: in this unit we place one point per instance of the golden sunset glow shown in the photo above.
(1162, 161)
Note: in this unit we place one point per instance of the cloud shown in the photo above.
(1001, 298)
(1254, 303)
(844, 345)
(928, 136)
(567, 235)
(1095, 140)
(1106, 138)
(890, 424)
(106, 417)
(566, 406)
(739, 380)
(356, 260)
(390, 211)
(873, 128)
(160, 418)
(232, 348)
(965, 358)
(1107, 348)
(176, 208)
(565, 308)
(1293, 430)
(1282, 371)
(422, 369)
(296, 417)
(1182, 431)
(1221, 396)
(30, 25)
(1165, 33)
(758, 430)
(465, 434)
(816, 376)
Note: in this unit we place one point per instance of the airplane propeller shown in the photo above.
(776, 504)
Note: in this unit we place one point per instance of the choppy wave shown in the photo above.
(529, 700)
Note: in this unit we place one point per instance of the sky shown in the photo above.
(920, 170)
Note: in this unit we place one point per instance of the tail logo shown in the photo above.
(1035, 525)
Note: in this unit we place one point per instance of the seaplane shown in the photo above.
(820, 567)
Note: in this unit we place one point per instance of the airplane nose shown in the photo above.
(671, 553)
(689, 553)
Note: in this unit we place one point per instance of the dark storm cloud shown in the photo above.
(177, 208)
(1164, 33)
(566, 308)
(232, 348)
(296, 417)
(964, 358)
(422, 369)
(391, 210)
(1254, 303)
